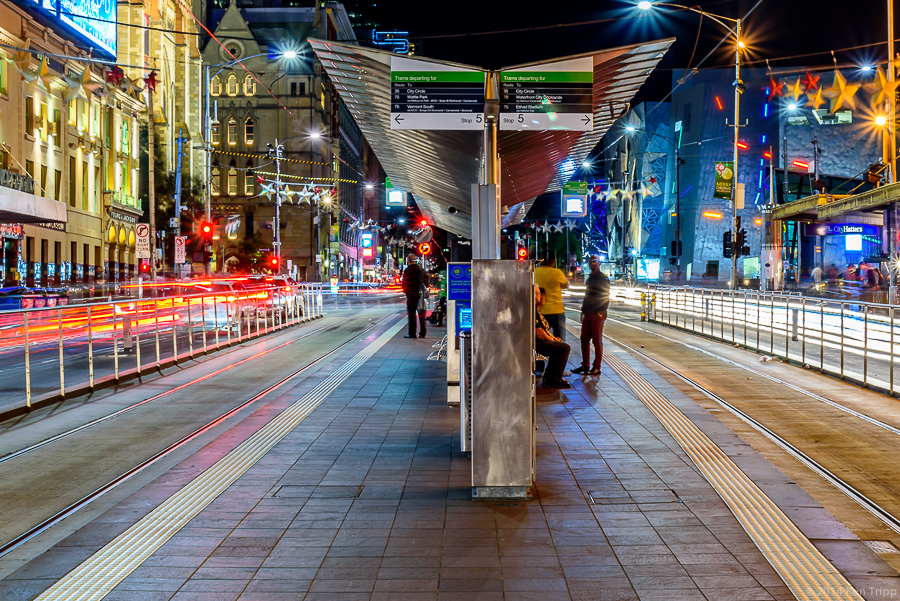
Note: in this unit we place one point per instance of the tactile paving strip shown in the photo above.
(803, 568)
(100, 573)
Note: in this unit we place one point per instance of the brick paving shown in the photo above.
(369, 499)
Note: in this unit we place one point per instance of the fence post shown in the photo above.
(892, 351)
(90, 350)
(115, 340)
(822, 336)
(865, 346)
(174, 333)
(137, 336)
(62, 369)
(842, 341)
(27, 363)
(190, 330)
(156, 327)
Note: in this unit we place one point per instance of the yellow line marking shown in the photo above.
(809, 575)
(105, 569)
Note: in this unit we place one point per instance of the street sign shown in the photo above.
(173, 222)
(459, 281)
(548, 96)
(180, 242)
(574, 199)
(142, 241)
(426, 95)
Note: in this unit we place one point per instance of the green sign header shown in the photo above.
(539, 77)
(437, 77)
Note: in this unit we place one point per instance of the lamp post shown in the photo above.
(738, 90)
(207, 134)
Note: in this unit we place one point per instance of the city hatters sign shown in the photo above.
(724, 179)
(22, 183)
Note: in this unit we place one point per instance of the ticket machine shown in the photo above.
(459, 320)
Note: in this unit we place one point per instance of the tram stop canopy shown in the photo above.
(439, 166)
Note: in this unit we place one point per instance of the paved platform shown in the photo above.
(368, 498)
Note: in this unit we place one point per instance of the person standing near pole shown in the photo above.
(413, 280)
(593, 316)
(553, 281)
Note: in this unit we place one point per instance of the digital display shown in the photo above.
(92, 20)
(396, 197)
(575, 205)
(464, 323)
(853, 242)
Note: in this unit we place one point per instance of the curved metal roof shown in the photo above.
(439, 166)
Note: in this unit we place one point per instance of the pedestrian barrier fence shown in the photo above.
(46, 353)
(852, 340)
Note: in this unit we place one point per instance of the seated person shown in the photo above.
(440, 312)
(546, 344)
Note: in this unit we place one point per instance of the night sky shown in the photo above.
(775, 29)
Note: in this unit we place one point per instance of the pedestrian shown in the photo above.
(412, 283)
(553, 281)
(550, 346)
(816, 275)
(593, 316)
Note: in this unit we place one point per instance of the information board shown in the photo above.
(574, 199)
(548, 96)
(426, 95)
(459, 281)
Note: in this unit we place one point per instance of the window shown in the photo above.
(96, 109)
(249, 85)
(72, 177)
(4, 74)
(29, 116)
(42, 124)
(4, 159)
(29, 168)
(298, 88)
(214, 129)
(84, 186)
(249, 184)
(44, 181)
(57, 125)
(96, 189)
(110, 129)
(215, 87)
(214, 184)
(232, 132)
(232, 181)
(57, 184)
(248, 132)
(232, 85)
(72, 111)
(125, 138)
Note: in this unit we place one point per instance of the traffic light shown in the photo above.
(424, 249)
(206, 231)
(727, 246)
(144, 267)
(522, 253)
(676, 248)
(742, 245)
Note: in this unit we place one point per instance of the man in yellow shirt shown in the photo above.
(553, 281)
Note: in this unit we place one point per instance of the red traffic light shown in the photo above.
(522, 253)
(144, 267)
(424, 248)
(274, 262)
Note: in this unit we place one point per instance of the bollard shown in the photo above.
(643, 306)
(794, 327)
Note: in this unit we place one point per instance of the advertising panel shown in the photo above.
(724, 179)
(93, 21)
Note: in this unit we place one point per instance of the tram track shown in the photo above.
(74, 507)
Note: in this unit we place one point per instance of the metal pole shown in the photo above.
(276, 236)
(28, 363)
(892, 102)
(151, 183)
(62, 369)
(115, 340)
(892, 351)
(177, 230)
(865, 346)
(208, 187)
(842, 341)
(737, 103)
(822, 336)
(90, 349)
(137, 336)
(156, 324)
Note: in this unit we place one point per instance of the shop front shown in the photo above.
(122, 216)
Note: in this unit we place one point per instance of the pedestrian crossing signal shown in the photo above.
(522, 253)
(424, 249)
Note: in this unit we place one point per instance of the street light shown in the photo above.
(738, 90)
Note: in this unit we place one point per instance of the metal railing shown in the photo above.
(50, 352)
(855, 341)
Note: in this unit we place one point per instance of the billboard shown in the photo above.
(93, 21)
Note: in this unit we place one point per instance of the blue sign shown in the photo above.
(463, 317)
(459, 281)
(94, 21)
(843, 229)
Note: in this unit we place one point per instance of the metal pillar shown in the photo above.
(737, 104)
(151, 183)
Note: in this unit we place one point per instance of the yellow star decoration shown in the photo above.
(836, 88)
(795, 89)
(881, 88)
(845, 97)
(22, 61)
(816, 99)
(82, 85)
(38, 83)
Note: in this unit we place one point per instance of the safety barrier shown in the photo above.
(48, 353)
(852, 340)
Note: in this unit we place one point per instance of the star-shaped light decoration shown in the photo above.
(82, 85)
(776, 88)
(570, 224)
(559, 227)
(846, 92)
(306, 194)
(114, 75)
(38, 83)
(644, 191)
(881, 89)
(129, 86)
(150, 82)
(288, 194)
(268, 190)
(815, 99)
(545, 229)
(811, 82)
(22, 61)
(795, 90)
(837, 86)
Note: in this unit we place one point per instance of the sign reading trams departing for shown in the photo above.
(548, 96)
(427, 95)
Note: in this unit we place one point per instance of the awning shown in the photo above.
(22, 207)
(439, 166)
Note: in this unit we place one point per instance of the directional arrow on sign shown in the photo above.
(587, 119)
(398, 119)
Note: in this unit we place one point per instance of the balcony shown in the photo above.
(18, 203)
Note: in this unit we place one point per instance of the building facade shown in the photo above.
(69, 165)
